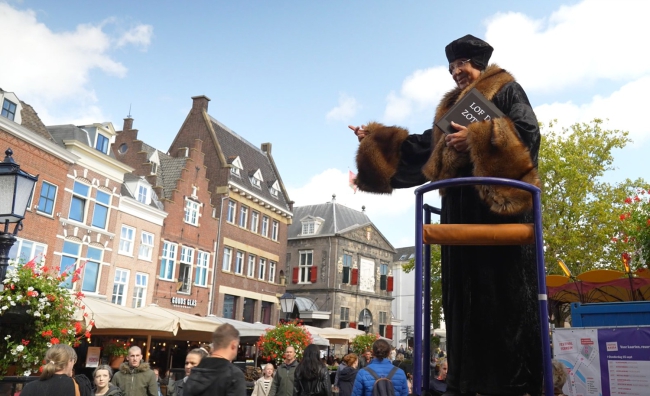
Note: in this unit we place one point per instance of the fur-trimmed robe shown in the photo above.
(489, 292)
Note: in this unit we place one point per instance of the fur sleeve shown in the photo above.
(497, 151)
(378, 157)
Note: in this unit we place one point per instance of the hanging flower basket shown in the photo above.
(36, 313)
(273, 343)
(363, 342)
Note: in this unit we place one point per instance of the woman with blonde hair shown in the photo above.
(56, 378)
(348, 374)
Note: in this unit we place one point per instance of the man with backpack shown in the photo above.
(380, 377)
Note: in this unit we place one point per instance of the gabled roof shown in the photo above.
(336, 219)
(128, 189)
(252, 159)
(61, 133)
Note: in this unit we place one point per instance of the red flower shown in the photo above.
(47, 333)
(614, 239)
(25, 342)
(628, 200)
(78, 327)
(64, 331)
(622, 217)
(637, 199)
(54, 340)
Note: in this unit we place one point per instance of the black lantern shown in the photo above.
(287, 301)
(366, 320)
(16, 187)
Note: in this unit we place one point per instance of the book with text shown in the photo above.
(472, 107)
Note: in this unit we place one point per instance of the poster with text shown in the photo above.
(366, 275)
(605, 361)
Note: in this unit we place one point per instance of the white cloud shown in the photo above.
(46, 68)
(345, 111)
(615, 108)
(139, 36)
(420, 92)
(392, 214)
(576, 45)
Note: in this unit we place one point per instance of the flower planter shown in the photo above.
(116, 361)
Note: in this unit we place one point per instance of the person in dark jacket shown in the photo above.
(284, 377)
(348, 374)
(216, 375)
(56, 378)
(135, 377)
(488, 292)
(102, 380)
(312, 377)
(364, 382)
(193, 358)
(438, 383)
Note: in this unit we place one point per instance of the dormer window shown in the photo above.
(311, 225)
(8, 109)
(154, 168)
(143, 194)
(236, 168)
(194, 190)
(257, 179)
(275, 189)
(102, 143)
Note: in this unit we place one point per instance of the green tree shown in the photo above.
(581, 212)
(436, 284)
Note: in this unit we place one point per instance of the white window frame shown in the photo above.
(168, 259)
(186, 260)
(67, 272)
(192, 212)
(120, 299)
(142, 195)
(40, 197)
(243, 216)
(84, 199)
(305, 263)
(146, 245)
(275, 230)
(239, 262)
(255, 218)
(309, 228)
(202, 265)
(227, 259)
(265, 226)
(139, 299)
(126, 244)
(34, 249)
(96, 261)
(232, 211)
(108, 143)
(250, 271)
(106, 205)
(272, 266)
(262, 269)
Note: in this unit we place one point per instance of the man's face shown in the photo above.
(290, 354)
(463, 72)
(367, 355)
(135, 357)
(192, 360)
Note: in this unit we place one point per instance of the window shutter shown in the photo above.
(295, 274)
(313, 274)
(390, 285)
(353, 325)
(355, 276)
(389, 330)
(382, 282)
(346, 275)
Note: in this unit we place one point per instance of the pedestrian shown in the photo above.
(348, 374)
(159, 380)
(102, 380)
(135, 377)
(381, 367)
(505, 147)
(56, 378)
(393, 354)
(216, 375)
(311, 377)
(365, 359)
(263, 384)
(438, 383)
(283, 381)
(193, 358)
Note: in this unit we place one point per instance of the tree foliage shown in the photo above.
(580, 210)
(436, 284)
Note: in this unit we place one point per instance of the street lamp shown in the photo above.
(366, 320)
(287, 301)
(16, 188)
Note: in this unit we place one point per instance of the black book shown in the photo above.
(472, 107)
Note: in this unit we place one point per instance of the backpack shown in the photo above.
(383, 385)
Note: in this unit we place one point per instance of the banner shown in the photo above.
(604, 361)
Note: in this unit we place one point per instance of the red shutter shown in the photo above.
(389, 328)
(390, 286)
(355, 276)
(313, 274)
(353, 325)
(296, 271)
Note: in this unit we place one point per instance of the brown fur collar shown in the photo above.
(377, 157)
(125, 369)
(494, 150)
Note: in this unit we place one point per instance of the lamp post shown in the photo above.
(366, 321)
(287, 301)
(16, 188)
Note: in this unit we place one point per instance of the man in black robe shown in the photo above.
(489, 292)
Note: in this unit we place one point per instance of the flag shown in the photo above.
(351, 178)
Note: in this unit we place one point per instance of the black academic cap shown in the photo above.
(469, 47)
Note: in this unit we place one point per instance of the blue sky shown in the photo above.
(297, 73)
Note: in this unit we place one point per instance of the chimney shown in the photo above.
(128, 124)
(200, 102)
(266, 148)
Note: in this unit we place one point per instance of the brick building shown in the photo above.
(340, 268)
(253, 209)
